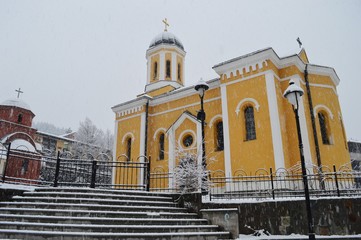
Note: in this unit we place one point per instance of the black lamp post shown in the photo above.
(293, 94)
(202, 87)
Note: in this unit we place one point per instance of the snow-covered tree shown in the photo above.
(189, 175)
(91, 140)
(50, 128)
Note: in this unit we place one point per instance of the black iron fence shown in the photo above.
(284, 184)
(24, 167)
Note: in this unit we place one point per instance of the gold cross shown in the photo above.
(166, 24)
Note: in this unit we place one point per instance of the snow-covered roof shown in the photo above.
(21, 144)
(166, 38)
(56, 136)
(16, 102)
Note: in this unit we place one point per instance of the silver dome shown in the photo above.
(166, 38)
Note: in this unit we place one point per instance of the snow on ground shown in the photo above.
(17, 187)
(296, 236)
(205, 199)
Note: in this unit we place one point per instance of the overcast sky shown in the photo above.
(77, 59)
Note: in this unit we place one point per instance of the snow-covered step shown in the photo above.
(105, 191)
(83, 213)
(95, 213)
(36, 235)
(107, 228)
(93, 200)
(86, 206)
(97, 195)
(101, 220)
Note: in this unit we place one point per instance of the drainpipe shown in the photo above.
(147, 167)
(318, 156)
(146, 128)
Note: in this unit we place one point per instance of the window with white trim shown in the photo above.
(250, 126)
(325, 132)
(219, 136)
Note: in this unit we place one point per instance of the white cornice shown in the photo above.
(165, 47)
(181, 93)
(135, 103)
(252, 59)
(162, 83)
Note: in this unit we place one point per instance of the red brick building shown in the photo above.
(15, 128)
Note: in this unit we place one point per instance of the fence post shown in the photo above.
(336, 181)
(210, 186)
(147, 174)
(94, 173)
(6, 163)
(57, 170)
(273, 189)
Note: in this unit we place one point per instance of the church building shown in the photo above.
(16, 130)
(249, 125)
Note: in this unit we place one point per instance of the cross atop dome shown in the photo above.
(166, 24)
(19, 92)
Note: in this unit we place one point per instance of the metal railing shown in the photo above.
(284, 184)
(24, 167)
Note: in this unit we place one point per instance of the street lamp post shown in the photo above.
(202, 87)
(293, 94)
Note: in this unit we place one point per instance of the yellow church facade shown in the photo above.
(249, 124)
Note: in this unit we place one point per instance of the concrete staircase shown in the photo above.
(83, 213)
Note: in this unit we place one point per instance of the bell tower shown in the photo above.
(165, 63)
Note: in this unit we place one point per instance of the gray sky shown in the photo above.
(77, 59)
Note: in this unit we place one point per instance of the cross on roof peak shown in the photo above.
(19, 91)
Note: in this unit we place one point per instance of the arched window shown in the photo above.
(324, 129)
(161, 146)
(155, 70)
(20, 118)
(179, 71)
(249, 123)
(167, 75)
(219, 136)
(129, 148)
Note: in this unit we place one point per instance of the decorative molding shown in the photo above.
(130, 117)
(219, 116)
(181, 93)
(184, 107)
(162, 83)
(130, 111)
(226, 138)
(134, 104)
(245, 100)
(166, 48)
(161, 65)
(180, 120)
(158, 131)
(182, 134)
(235, 64)
(127, 135)
(321, 106)
(171, 156)
(276, 132)
(245, 68)
(142, 145)
(249, 77)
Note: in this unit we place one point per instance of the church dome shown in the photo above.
(166, 38)
(16, 102)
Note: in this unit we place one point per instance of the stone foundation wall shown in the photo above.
(337, 216)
